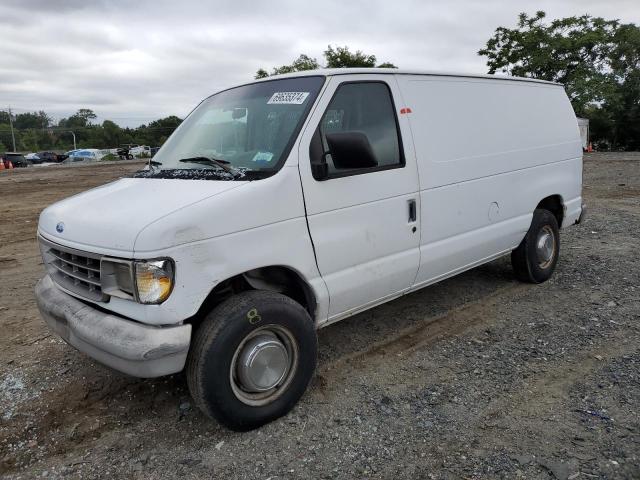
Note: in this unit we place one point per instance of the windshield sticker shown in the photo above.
(288, 98)
(263, 157)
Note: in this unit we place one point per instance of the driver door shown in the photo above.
(362, 215)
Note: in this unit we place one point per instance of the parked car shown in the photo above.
(17, 159)
(50, 157)
(86, 154)
(129, 151)
(140, 151)
(282, 206)
(45, 157)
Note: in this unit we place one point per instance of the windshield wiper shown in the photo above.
(153, 163)
(223, 164)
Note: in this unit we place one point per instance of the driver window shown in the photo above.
(365, 107)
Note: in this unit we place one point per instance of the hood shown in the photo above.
(110, 217)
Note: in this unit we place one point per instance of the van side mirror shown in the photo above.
(320, 171)
(351, 150)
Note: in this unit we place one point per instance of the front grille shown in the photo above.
(74, 270)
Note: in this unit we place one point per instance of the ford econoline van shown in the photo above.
(286, 204)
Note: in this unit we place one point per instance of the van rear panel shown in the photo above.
(488, 151)
(468, 128)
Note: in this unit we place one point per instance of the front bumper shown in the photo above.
(128, 346)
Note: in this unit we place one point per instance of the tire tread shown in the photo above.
(521, 261)
(212, 326)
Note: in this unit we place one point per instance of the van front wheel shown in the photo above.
(535, 259)
(252, 359)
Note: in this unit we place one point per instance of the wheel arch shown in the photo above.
(554, 204)
(277, 278)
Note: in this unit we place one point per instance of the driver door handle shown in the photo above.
(412, 210)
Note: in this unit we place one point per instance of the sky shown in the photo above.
(136, 61)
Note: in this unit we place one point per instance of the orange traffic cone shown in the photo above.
(1, 164)
(10, 165)
(590, 148)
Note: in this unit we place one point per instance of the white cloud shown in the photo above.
(136, 61)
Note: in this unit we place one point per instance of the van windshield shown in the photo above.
(243, 133)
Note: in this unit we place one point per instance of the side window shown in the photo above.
(360, 127)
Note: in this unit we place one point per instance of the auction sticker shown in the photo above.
(288, 98)
(263, 157)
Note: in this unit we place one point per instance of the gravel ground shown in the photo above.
(476, 377)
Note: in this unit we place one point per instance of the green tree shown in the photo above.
(82, 118)
(111, 134)
(5, 133)
(32, 120)
(341, 57)
(597, 60)
(157, 131)
(338, 57)
(86, 114)
(303, 62)
(624, 107)
(31, 136)
(170, 122)
(28, 140)
(30, 130)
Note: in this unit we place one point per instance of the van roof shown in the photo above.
(398, 71)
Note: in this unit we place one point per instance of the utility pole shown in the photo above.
(74, 139)
(13, 137)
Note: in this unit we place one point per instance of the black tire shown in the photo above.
(214, 345)
(129, 157)
(528, 264)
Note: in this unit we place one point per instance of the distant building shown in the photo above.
(583, 124)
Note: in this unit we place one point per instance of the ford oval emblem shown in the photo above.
(60, 227)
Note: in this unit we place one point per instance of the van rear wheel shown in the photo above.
(252, 359)
(535, 259)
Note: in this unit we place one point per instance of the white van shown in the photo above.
(286, 204)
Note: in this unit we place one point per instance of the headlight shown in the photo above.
(154, 280)
(146, 281)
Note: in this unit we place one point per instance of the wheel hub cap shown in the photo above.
(263, 363)
(545, 246)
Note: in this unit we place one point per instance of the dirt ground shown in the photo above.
(476, 377)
